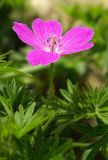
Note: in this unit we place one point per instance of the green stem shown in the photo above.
(51, 85)
(51, 77)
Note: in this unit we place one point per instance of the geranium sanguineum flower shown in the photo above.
(48, 42)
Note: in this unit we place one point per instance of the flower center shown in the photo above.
(53, 44)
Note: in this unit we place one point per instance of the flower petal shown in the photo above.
(80, 48)
(46, 29)
(38, 57)
(25, 34)
(76, 40)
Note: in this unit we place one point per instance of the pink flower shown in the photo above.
(48, 42)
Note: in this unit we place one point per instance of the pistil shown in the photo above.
(53, 44)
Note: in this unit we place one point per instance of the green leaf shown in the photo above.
(26, 121)
(34, 122)
(96, 147)
(6, 105)
(16, 95)
(29, 112)
(69, 86)
(66, 95)
(103, 117)
(4, 66)
(58, 157)
(12, 70)
(19, 116)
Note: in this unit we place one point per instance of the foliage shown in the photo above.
(17, 3)
(84, 104)
(29, 130)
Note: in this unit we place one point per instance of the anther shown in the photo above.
(48, 40)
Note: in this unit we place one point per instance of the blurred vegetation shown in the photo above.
(90, 66)
(75, 124)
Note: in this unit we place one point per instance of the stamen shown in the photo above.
(48, 40)
(53, 44)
